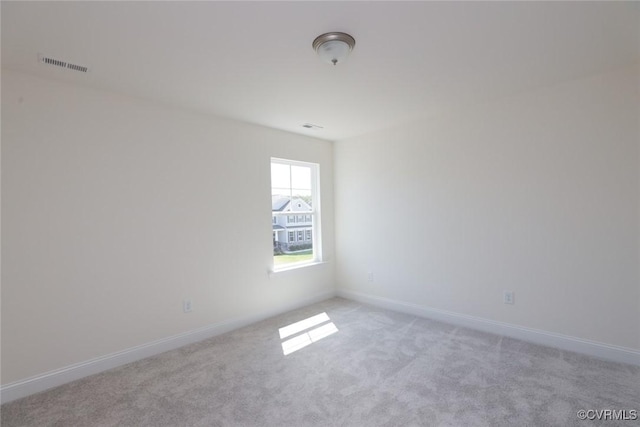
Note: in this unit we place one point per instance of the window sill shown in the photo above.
(295, 267)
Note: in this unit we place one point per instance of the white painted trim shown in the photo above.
(565, 342)
(294, 266)
(57, 377)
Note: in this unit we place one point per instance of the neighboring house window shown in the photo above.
(274, 220)
(295, 195)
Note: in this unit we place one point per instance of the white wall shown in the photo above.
(115, 209)
(537, 193)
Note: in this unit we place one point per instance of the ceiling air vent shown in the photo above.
(62, 64)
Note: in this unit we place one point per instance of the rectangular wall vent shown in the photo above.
(311, 126)
(62, 64)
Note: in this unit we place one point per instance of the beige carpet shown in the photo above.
(356, 366)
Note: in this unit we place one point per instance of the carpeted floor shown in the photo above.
(379, 368)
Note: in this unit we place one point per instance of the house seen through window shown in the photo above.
(295, 213)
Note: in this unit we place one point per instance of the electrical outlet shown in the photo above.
(370, 276)
(187, 306)
(508, 297)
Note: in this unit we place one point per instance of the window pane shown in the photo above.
(301, 200)
(278, 193)
(280, 176)
(292, 187)
(301, 177)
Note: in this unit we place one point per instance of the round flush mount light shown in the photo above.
(334, 47)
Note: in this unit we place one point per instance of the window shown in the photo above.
(295, 195)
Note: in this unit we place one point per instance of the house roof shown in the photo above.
(283, 204)
(278, 204)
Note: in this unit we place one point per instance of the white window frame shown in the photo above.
(315, 213)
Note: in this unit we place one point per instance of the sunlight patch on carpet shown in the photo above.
(300, 341)
(300, 326)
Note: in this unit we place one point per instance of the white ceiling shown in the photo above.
(253, 61)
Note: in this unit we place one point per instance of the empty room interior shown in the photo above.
(320, 213)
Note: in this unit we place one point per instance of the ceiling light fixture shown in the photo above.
(334, 47)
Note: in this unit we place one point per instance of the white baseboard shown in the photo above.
(550, 339)
(38, 383)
